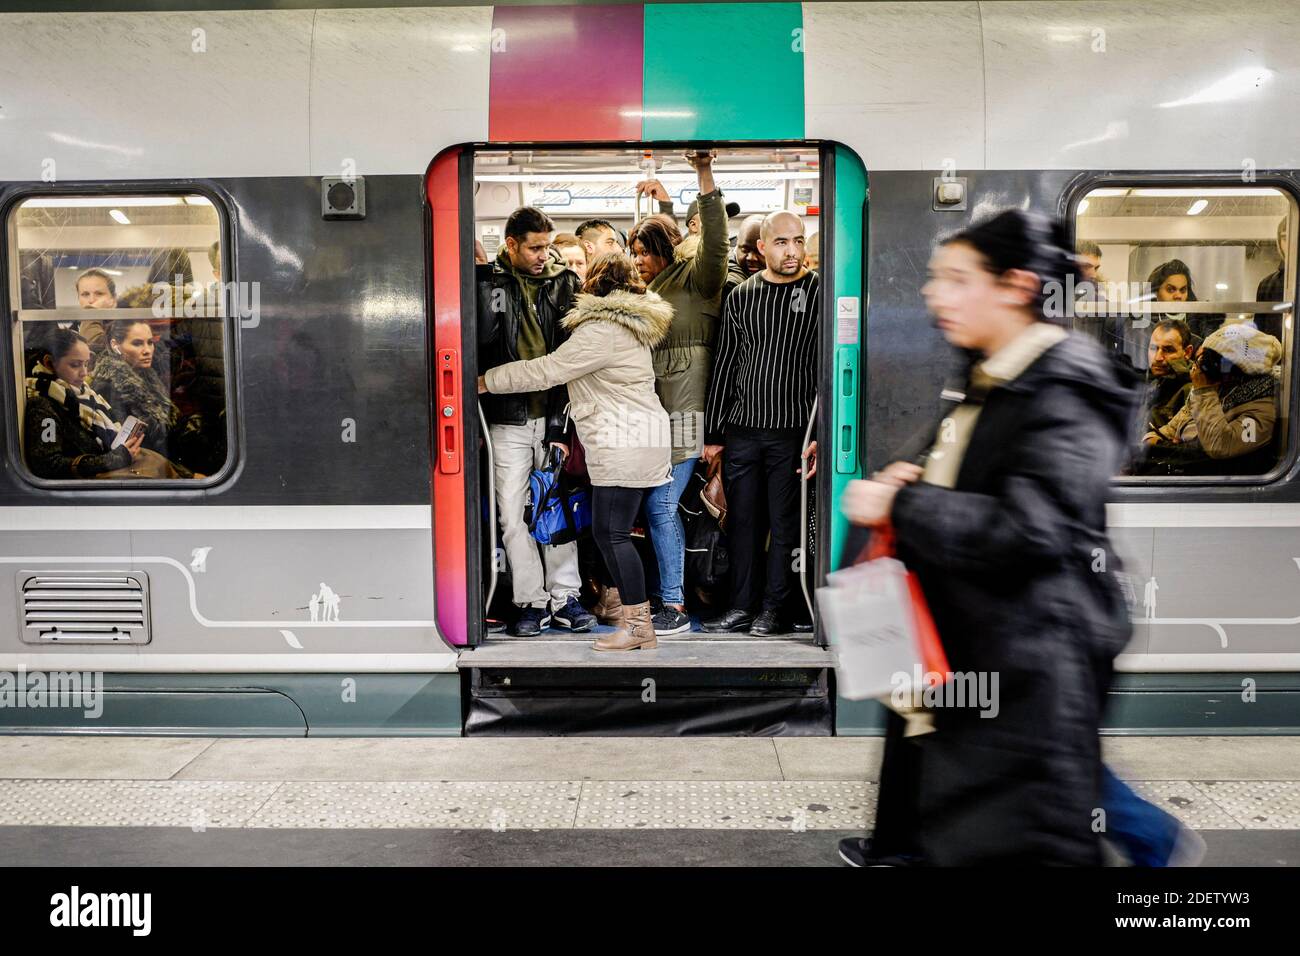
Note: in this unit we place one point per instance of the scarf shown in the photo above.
(943, 463)
(1254, 387)
(92, 411)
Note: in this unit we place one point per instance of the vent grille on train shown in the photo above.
(83, 607)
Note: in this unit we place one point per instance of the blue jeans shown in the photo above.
(667, 534)
(1143, 831)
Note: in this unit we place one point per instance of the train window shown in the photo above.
(118, 337)
(1194, 288)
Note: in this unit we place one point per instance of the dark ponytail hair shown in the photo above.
(118, 329)
(1032, 242)
(60, 342)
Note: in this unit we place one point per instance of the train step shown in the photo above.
(685, 651)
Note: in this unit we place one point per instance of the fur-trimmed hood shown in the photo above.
(687, 248)
(645, 315)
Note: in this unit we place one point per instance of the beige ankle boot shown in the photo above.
(638, 631)
(609, 609)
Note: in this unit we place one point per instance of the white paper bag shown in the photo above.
(867, 612)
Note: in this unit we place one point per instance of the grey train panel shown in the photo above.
(254, 586)
(341, 336)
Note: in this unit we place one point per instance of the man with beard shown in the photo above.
(764, 383)
(1169, 357)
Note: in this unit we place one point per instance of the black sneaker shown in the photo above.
(669, 620)
(532, 621)
(573, 617)
(856, 851)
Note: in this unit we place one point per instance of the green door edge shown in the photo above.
(848, 411)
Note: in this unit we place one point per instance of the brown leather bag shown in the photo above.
(713, 495)
(150, 464)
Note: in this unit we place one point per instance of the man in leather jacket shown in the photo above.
(522, 296)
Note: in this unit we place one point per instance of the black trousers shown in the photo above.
(613, 511)
(760, 475)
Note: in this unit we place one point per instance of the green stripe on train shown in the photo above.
(700, 64)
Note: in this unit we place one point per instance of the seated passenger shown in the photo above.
(68, 430)
(1232, 408)
(568, 246)
(813, 255)
(1169, 382)
(95, 290)
(125, 378)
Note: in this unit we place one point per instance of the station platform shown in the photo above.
(141, 801)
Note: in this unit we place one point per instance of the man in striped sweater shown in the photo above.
(764, 383)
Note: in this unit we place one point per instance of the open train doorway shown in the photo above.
(703, 678)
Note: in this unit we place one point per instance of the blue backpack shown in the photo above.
(557, 511)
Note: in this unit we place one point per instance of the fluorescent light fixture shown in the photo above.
(562, 177)
(1197, 207)
(99, 202)
(1083, 206)
(1174, 192)
(119, 216)
(1221, 285)
(1208, 190)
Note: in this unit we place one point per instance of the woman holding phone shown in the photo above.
(69, 430)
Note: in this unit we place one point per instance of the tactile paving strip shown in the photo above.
(1257, 804)
(544, 805)
(197, 804)
(727, 805)
(1189, 804)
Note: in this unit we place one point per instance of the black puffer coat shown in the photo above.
(1022, 581)
(75, 453)
(498, 332)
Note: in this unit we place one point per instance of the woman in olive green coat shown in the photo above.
(689, 276)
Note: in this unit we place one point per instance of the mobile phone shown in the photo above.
(130, 428)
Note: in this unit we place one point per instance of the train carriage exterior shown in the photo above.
(350, 416)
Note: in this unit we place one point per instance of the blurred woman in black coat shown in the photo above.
(1005, 525)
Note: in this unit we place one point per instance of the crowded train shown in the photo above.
(470, 395)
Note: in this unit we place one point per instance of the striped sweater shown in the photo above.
(765, 374)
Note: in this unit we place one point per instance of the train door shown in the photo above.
(713, 683)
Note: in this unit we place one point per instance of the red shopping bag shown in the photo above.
(928, 646)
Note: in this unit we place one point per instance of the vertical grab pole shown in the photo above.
(492, 507)
(803, 507)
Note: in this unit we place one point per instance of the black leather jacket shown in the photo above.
(498, 333)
